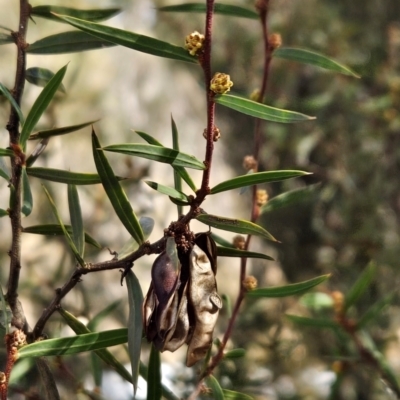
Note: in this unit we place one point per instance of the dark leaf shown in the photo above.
(115, 193)
(313, 322)
(3, 213)
(288, 290)
(67, 42)
(27, 200)
(62, 176)
(259, 110)
(131, 40)
(88, 15)
(219, 8)
(154, 389)
(5, 38)
(78, 234)
(234, 225)
(157, 153)
(100, 316)
(255, 179)
(40, 77)
(376, 310)
(6, 153)
(48, 382)
(232, 252)
(56, 230)
(59, 131)
(38, 150)
(6, 93)
(168, 191)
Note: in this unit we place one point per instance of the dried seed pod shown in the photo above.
(204, 300)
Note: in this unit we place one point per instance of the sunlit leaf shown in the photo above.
(232, 252)
(157, 153)
(233, 395)
(135, 325)
(360, 286)
(88, 15)
(75, 344)
(131, 40)
(48, 382)
(56, 230)
(41, 104)
(234, 225)
(213, 384)
(255, 179)
(79, 328)
(62, 176)
(154, 390)
(115, 193)
(40, 77)
(259, 110)
(219, 8)
(316, 301)
(288, 290)
(59, 131)
(289, 198)
(313, 322)
(180, 170)
(75, 212)
(167, 190)
(376, 310)
(67, 42)
(5, 38)
(312, 58)
(27, 200)
(6, 93)
(65, 231)
(6, 153)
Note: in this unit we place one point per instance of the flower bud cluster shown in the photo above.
(194, 42)
(261, 197)
(221, 83)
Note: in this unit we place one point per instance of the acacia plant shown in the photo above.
(182, 304)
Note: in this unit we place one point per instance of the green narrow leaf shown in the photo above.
(214, 385)
(312, 58)
(79, 328)
(8, 96)
(75, 212)
(5, 315)
(59, 131)
(27, 200)
(6, 153)
(131, 40)
(180, 170)
(255, 179)
(154, 390)
(258, 110)
(88, 15)
(40, 77)
(234, 225)
(360, 286)
(235, 353)
(313, 322)
(4, 170)
(3, 213)
(219, 8)
(5, 38)
(232, 252)
(75, 344)
(157, 153)
(177, 177)
(66, 234)
(115, 193)
(375, 310)
(41, 104)
(99, 317)
(56, 230)
(288, 290)
(168, 191)
(232, 395)
(289, 198)
(317, 301)
(61, 176)
(48, 382)
(38, 150)
(97, 370)
(221, 241)
(135, 325)
(67, 42)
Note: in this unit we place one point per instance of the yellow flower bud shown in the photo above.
(239, 242)
(249, 162)
(250, 283)
(194, 42)
(274, 41)
(221, 83)
(261, 197)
